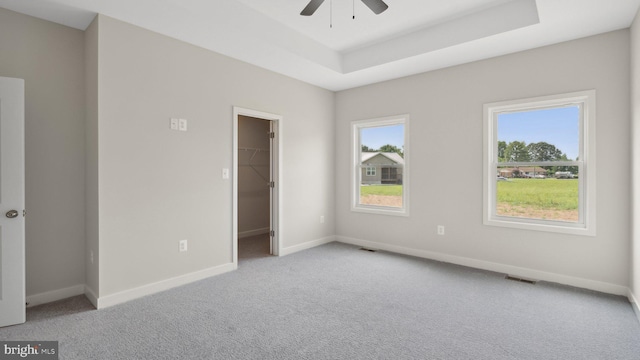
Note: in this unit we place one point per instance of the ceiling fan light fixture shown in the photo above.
(377, 6)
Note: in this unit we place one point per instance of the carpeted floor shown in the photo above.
(338, 302)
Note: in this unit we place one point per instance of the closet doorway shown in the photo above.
(255, 183)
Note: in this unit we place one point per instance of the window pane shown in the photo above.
(539, 135)
(536, 192)
(382, 162)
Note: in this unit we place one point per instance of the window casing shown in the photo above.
(390, 170)
(500, 167)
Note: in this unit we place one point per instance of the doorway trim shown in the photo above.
(276, 171)
(12, 225)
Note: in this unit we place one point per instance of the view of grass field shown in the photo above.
(381, 195)
(548, 199)
(386, 190)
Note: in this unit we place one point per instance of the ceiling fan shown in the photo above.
(377, 6)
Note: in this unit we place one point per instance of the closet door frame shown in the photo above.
(275, 174)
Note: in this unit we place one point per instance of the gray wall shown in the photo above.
(446, 134)
(254, 201)
(157, 186)
(50, 58)
(635, 139)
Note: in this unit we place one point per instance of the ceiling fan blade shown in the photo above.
(377, 6)
(311, 7)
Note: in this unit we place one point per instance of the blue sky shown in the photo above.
(375, 137)
(558, 126)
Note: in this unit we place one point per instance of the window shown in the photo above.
(380, 166)
(539, 173)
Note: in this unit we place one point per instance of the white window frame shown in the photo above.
(586, 224)
(356, 166)
(370, 171)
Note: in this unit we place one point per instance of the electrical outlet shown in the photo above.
(183, 245)
(440, 229)
(174, 124)
(322, 219)
(182, 124)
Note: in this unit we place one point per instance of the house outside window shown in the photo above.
(539, 164)
(380, 165)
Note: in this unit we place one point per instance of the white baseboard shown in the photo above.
(491, 266)
(634, 303)
(91, 295)
(307, 245)
(54, 295)
(249, 233)
(131, 294)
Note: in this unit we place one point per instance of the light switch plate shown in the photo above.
(225, 173)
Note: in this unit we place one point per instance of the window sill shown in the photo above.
(380, 210)
(542, 225)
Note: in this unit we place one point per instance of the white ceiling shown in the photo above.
(412, 36)
(347, 33)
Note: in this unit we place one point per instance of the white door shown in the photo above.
(273, 193)
(12, 253)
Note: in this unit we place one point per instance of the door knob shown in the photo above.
(12, 214)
